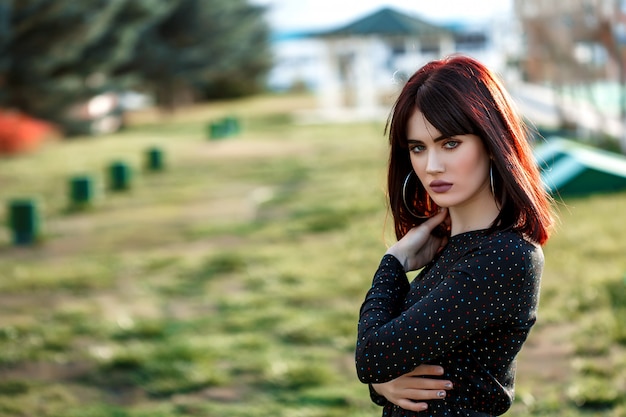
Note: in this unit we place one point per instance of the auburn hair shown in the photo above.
(459, 95)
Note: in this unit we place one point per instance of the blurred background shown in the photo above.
(193, 197)
(83, 69)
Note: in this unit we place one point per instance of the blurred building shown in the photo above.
(572, 41)
(365, 59)
(577, 49)
(357, 69)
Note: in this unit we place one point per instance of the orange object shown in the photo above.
(21, 133)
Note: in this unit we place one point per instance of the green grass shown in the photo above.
(229, 284)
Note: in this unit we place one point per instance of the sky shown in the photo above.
(294, 15)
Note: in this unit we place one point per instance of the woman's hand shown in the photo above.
(419, 246)
(410, 390)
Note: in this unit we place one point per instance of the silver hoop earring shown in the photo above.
(493, 189)
(406, 205)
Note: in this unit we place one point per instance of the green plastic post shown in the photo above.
(23, 219)
(216, 130)
(81, 191)
(155, 160)
(231, 125)
(224, 127)
(119, 176)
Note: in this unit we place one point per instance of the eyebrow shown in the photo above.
(437, 139)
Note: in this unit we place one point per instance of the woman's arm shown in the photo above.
(484, 287)
(411, 391)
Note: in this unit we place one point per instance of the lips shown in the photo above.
(440, 186)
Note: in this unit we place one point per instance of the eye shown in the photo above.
(451, 144)
(416, 148)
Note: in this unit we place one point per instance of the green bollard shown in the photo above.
(216, 130)
(231, 125)
(155, 160)
(119, 176)
(81, 192)
(24, 221)
(223, 128)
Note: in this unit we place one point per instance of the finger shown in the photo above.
(442, 244)
(425, 383)
(437, 219)
(427, 370)
(412, 405)
(425, 394)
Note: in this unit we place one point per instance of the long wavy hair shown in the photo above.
(459, 95)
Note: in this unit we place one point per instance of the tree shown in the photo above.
(203, 49)
(572, 45)
(56, 53)
(611, 32)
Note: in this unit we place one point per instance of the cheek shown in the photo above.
(419, 166)
(472, 166)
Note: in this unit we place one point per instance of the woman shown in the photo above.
(470, 211)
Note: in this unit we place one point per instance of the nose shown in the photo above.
(434, 164)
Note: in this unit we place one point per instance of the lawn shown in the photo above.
(228, 285)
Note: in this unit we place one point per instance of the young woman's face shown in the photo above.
(453, 170)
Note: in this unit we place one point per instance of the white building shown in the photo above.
(357, 70)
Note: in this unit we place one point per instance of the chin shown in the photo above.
(444, 202)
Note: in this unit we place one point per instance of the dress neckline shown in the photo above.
(469, 232)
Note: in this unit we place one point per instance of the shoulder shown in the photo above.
(510, 242)
(516, 246)
(503, 250)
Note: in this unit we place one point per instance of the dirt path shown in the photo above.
(546, 358)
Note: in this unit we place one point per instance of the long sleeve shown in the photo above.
(484, 287)
(383, 303)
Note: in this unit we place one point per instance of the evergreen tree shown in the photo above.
(204, 49)
(55, 53)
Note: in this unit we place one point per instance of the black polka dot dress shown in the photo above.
(469, 310)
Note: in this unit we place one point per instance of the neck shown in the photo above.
(473, 216)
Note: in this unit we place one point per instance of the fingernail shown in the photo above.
(441, 394)
(423, 406)
(448, 385)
